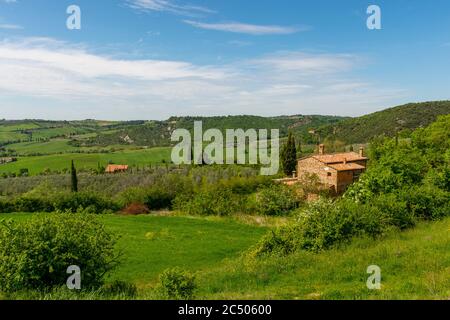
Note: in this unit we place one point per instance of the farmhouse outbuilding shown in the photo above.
(114, 168)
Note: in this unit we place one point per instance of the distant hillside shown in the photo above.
(15, 131)
(388, 122)
(158, 133)
(125, 134)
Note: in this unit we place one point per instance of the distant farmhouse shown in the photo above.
(336, 171)
(7, 160)
(114, 168)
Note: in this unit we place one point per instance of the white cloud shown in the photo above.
(245, 28)
(46, 78)
(308, 63)
(168, 6)
(76, 61)
(10, 27)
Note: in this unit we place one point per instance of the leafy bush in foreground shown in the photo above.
(177, 284)
(427, 202)
(35, 255)
(275, 200)
(323, 225)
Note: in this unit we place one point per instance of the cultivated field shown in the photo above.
(38, 164)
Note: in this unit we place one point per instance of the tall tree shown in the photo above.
(74, 179)
(299, 150)
(289, 156)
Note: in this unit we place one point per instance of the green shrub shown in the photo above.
(427, 202)
(28, 204)
(7, 206)
(276, 200)
(177, 284)
(439, 178)
(209, 201)
(157, 198)
(131, 195)
(322, 225)
(160, 194)
(247, 185)
(89, 202)
(35, 255)
(395, 210)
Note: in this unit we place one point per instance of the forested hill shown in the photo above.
(158, 133)
(388, 122)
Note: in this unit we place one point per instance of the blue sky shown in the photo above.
(150, 59)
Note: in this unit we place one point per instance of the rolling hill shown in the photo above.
(388, 122)
(157, 133)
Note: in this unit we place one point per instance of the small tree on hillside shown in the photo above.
(289, 156)
(74, 179)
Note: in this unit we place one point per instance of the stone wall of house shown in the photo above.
(313, 166)
(345, 178)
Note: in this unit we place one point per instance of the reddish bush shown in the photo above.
(135, 209)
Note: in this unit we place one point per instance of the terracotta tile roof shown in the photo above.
(349, 166)
(339, 157)
(116, 168)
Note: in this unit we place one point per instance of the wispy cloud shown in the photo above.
(79, 83)
(246, 28)
(9, 1)
(61, 56)
(305, 63)
(10, 26)
(168, 6)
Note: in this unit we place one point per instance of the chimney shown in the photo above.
(361, 152)
(321, 149)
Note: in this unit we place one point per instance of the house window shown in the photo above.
(328, 174)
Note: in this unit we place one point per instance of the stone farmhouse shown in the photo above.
(337, 170)
(112, 168)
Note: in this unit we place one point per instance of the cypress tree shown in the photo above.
(289, 156)
(299, 150)
(74, 179)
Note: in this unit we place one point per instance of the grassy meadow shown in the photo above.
(414, 264)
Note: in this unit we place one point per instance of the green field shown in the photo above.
(57, 146)
(25, 125)
(6, 136)
(58, 132)
(153, 243)
(38, 164)
(414, 264)
(52, 146)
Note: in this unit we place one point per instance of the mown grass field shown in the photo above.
(414, 264)
(38, 164)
